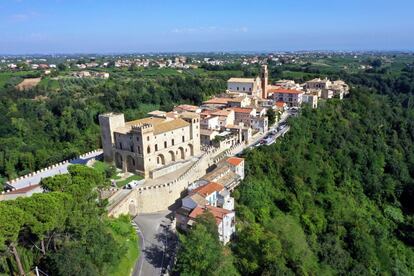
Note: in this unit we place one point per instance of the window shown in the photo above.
(148, 149)
(156, 147)
(172, 142)
(139, 149)
(120, 145)
(147, 138)
(183, 138)
(244, 88)
(237, 88)
(165, 144)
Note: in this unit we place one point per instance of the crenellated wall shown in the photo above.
(152, 199)
(42, 173)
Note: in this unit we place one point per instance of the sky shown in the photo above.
(132, 26)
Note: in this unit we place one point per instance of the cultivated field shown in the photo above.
(28, 83)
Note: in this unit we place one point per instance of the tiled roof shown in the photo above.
(170, 125)
(243, 80)
(235, 161)
(223, 112)
(160, 124)
(187, 107)
(208, 189)
(285, 91)
(217, 101)
(242, 110)
(199, 200)
(218, 213)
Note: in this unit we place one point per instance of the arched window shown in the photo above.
(165, 144)
(148, 149)
(183, 138)
(172, 142)
(156, 147)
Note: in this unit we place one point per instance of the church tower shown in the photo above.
(264, 77)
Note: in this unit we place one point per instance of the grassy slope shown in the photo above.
(125, 235)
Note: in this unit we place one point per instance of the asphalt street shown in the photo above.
(157, 243)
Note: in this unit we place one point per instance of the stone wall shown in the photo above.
(160, 197)
(77, 160)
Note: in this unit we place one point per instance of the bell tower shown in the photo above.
(265, 77)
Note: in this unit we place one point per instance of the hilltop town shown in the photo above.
(191, 148)
(178, 144)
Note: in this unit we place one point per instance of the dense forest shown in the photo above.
(333, 197)
(65, 231)
(41, 126)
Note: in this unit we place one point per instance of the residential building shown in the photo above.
(207, 136)
(225, 220)
(244, 115)
(292, 98)
(225, 117)
(311, 99)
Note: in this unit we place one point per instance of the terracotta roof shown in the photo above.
(235, 161)
(237, 99)
(218, 213)
(208, 189)
(223, 112)
(285, 91)
(187, 107)
(242, 110)
(217, 101)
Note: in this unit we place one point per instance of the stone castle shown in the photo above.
(145, 145)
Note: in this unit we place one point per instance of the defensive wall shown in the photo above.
(150, 199)
(34, 178)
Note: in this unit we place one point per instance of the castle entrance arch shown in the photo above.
(118, 160)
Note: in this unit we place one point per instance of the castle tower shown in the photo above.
(108, 123)
(144, 146)
(265, 78)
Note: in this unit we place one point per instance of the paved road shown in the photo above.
(157, 244)
(36, 178)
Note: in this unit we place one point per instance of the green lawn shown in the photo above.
(126, 237)
(127, 180)
(102, 166)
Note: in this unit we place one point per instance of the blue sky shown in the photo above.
(102, 26)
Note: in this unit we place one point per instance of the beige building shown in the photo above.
(311, 99)
(144, 145)
(249, 86)
(290, 96)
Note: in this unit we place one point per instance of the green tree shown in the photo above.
(271, 115)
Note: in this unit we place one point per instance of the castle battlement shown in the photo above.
(142, 127)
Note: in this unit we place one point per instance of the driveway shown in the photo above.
(157, 245)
